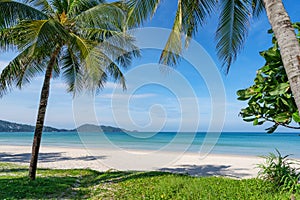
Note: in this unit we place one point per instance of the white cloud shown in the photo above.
(112, 85)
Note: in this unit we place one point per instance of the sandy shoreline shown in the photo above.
(106, 159)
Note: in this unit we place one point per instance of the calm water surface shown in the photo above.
(228, 143)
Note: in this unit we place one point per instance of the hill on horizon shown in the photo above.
(6, 126)
(94, 128)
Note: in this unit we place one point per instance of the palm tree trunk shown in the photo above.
(41, 116)
(288, 43)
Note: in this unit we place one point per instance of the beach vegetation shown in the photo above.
(90, 184)
(281, 171)
(63, 37)
(288, 44)
(270, 98)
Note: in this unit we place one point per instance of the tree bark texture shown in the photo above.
(41, 116)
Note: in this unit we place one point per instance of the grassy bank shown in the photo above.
(90, 184)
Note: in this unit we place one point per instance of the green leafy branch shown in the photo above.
(270, 98)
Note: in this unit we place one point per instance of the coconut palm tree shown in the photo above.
(68, 37)
(232, 30)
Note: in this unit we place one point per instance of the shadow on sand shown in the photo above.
(207, 170)
(193, 170)
(44, 157)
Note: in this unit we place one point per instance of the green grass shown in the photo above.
(90, 184)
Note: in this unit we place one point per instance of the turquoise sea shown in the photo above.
(234, 143)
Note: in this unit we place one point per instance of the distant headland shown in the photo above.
(6, 126)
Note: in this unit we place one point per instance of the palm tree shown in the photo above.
(68, 37)
(232, 30)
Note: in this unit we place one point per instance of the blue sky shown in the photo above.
(156, 105)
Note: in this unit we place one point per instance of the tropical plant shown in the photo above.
(281, 171)
(234, 22)
(287, 42)
(270, 99)
(67, 37)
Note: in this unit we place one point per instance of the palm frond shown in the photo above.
(194, 14)
(42, 5)
(93, 62)
(140, 10)
(72, 73)
(119, 50)
(125, 60)
(110, 65)
(45, 35)
(20, 71)
(6, 41)
(58, 6)
(257, 8)
(103, 59)
(98, 34)
(13, 12)
(78, 6)
(173, 48)
(232, 30)
(83, 46)
(121, 55)
(56, 70)
(114, 71)
(26, 33)
(94, 70)
(107, 16)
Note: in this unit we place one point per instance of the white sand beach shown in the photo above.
(106, 159)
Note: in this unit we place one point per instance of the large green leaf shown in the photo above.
(249, 119)
(282, 117)
(296, 117)
(271, 55)
(282, 88)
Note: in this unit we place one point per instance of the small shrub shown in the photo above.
(281, 171)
